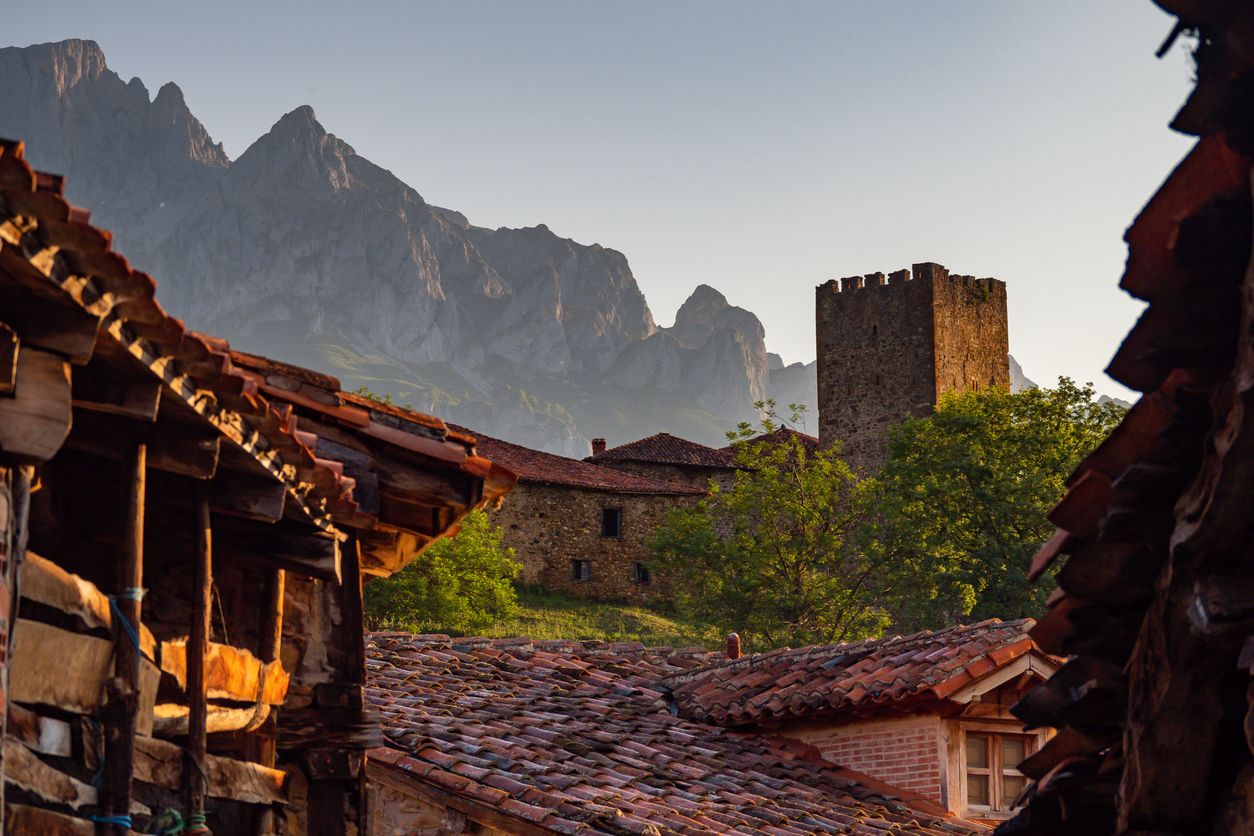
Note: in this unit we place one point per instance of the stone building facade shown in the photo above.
(669, 458)
(583, 529)
(889, 346)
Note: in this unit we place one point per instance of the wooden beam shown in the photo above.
(64, 329)
(101, 387)
(353, 627)
(263, 745)
(10, 345)
(160, 763)
(36, 420)
(124, 689)
(197, 654)
(173, 447)
(285, 545)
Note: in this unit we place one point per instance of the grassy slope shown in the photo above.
(547, 615)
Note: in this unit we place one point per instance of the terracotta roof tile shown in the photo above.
(579, 737)
(860, 676)
(550, 469)
(664, 448)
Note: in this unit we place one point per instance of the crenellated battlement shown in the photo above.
(923, 272)
(889, 345)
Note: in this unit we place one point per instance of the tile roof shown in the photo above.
(52, 259)
(580, 738)
(782, 434)
(550, 469)
(854, 677)
(664, 448)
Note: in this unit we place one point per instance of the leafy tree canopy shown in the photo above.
(461, 584)
(774, 554)
(962, 499)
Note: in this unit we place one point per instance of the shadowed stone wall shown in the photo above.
(549, 526)
(890, 345)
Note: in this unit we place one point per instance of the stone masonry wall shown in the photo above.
(549, 526)
(888, 346)
(906, 752)
(698, 477)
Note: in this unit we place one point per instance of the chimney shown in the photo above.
(733, 645)
(598, 446)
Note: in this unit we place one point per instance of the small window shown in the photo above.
(991, 769)
(611, 522)
(641, 575)
(581, 570)
(875, 330)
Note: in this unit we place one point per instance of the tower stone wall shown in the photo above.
(890, 345)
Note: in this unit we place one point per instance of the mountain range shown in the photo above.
(303, 250)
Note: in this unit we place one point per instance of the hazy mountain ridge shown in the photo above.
(303, 250)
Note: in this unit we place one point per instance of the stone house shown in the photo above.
(514, 736)
(580, 528)
(927, 713)
(666, 457)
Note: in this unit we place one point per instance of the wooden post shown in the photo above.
(123, 690)
(197, 650)
(271, 645)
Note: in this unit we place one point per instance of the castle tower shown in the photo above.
(890, 346)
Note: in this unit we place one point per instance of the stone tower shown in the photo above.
(890, 346)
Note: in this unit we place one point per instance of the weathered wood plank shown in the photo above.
(21, 818)
(160, 762)
(100, 387)
(23, 769)
(231, 673)
(42, 656)
(35, 421)
(45, 735)
(284, 544)
(171, 719)
(197, 652)
(46, 583)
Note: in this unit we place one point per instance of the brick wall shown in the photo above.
(889, 345)
(904, 752)
(549, 526)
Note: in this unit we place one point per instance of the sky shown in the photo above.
(760, 148)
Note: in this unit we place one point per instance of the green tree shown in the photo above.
(774, 555)
(460, 584)
(962, 499)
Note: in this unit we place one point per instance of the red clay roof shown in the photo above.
(549, 469)
(810, 443)
(664, 448)
(856, 676)
(580, 738)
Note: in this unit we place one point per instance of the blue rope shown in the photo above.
(122, 821)
(126, 622)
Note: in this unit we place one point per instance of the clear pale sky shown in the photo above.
(757, 147)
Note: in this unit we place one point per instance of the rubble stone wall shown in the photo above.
(548, 526)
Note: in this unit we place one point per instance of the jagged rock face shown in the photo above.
(306, 251)
(714, 351)
(797, 383)
(1018, 380)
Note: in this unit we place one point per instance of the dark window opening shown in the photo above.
(611, 522)
(875, 330)
(581, 570)
(641, 574)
